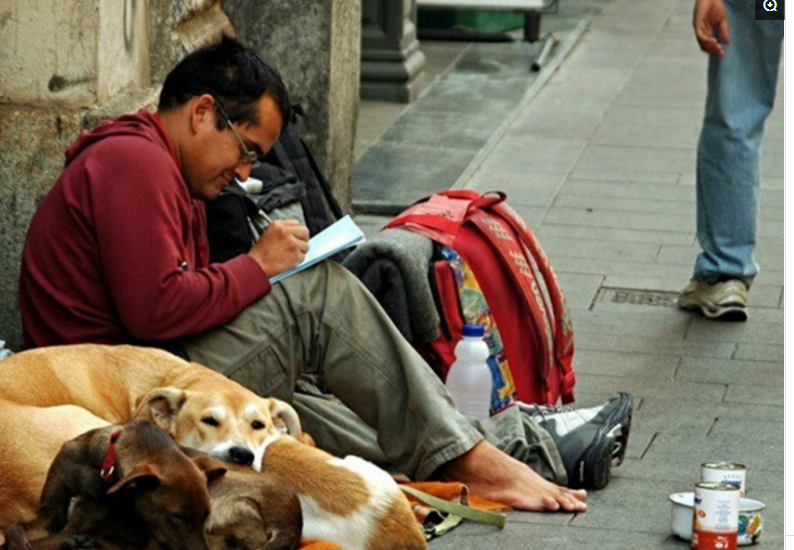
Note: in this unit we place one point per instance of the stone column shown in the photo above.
(315, 46)
(391, 61)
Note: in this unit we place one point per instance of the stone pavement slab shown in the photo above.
(731, 371)
(758, 445)
(761, 395)
(653, 345)
(612, 234)
(759, 352)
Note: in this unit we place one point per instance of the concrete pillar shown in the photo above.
(391, 61)
(315, 46)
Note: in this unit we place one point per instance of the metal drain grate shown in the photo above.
(637, 297)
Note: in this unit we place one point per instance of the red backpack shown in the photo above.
(516, 280)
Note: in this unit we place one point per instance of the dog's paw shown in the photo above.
(78, 542)
(15, 538)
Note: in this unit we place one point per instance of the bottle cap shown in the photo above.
(477, 331)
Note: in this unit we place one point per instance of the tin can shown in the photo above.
(725, 472)
(715, 520)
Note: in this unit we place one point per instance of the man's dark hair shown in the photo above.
(233, 74)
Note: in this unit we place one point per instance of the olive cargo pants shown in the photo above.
(321, 341)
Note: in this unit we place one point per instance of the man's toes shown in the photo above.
(578, 494)
(551, 504)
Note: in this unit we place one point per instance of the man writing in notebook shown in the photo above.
(117, 253)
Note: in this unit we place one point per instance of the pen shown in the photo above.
(265, 217)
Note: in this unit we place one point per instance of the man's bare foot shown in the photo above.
(491, 474)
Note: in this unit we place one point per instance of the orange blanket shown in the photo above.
(453, 492)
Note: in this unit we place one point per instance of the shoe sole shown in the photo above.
(726, 312)
(599, 472)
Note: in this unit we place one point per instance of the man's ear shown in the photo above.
(202, 109)
(161, 406)
(285, 418)
(141, 478)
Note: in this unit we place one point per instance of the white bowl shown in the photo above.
(751, 521)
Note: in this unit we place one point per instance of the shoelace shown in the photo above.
(543, 410)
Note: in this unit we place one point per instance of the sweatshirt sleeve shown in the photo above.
(143, 218)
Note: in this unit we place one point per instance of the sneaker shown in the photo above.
(725, 300)
(590, 441)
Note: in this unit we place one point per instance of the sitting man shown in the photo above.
(117, 253)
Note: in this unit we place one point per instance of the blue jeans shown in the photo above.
(741, 93)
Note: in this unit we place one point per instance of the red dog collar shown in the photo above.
(109, 464)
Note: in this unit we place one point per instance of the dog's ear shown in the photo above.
(229, 510)
(161, 406)
(141, 478)
(212, 467)
(285, 418)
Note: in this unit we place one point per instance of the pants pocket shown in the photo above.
(265, 374)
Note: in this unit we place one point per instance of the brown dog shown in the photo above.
(253, 511)
(132, 483)
(51, 395)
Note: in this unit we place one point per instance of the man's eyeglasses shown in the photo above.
(248, 156)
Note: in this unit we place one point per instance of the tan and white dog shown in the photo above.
(51, 395)
(349, 502)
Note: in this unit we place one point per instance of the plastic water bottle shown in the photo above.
(469, 379)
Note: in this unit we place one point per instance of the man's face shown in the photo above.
(217, 156)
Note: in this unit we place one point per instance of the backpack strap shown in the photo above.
(507, 246)
(325, 187)
(563, 329)
(291, 152)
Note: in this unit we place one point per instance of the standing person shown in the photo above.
(117, 253)
(742, 78)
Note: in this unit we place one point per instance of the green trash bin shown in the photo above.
(484, 21)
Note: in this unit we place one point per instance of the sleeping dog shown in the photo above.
(252, 510)
(349, 502)
(129, 485)
(51, 395)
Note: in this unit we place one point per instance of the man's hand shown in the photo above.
(282, 246)
(710, 14)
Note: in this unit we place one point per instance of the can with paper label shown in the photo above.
(715, 519)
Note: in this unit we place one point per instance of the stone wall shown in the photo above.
(62, 60)
(68, 64)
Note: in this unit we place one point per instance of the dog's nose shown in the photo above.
(241, 455)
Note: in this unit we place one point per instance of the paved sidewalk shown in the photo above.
(600, 162)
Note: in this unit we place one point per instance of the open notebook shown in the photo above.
(344, 233)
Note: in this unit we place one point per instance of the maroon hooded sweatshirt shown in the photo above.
(117, 251)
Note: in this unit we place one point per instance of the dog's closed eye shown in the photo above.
(210, 421)
(257, 425)
(181, 519)
(230, 541)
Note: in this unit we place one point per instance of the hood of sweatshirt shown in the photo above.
(143, 124)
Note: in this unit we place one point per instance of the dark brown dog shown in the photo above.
(133, 485)
(253, 510)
